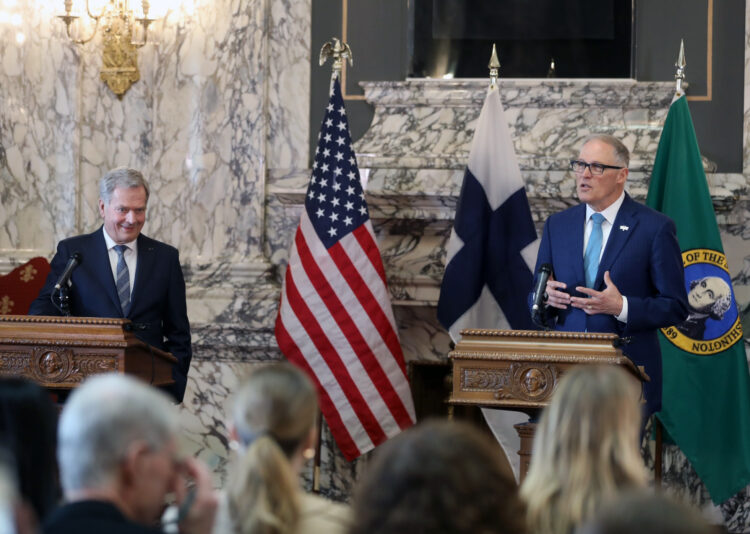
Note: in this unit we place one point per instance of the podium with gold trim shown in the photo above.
(58, 353)
(520, 369)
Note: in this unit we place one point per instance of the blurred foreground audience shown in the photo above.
(16, 516)
(646, 512)
(118, 460)
(273, 424)
(438, 477)
(586, 449)
(28, 427)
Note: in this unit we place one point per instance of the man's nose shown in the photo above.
(130, 216)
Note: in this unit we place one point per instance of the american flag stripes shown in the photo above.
(335, 319)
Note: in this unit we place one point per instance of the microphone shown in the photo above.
(75, 260)
(540, 290)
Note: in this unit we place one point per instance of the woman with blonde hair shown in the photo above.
(273, 423)
(586, 449)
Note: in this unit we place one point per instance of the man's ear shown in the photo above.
(133, 464)
(101, 207)
(623, 175)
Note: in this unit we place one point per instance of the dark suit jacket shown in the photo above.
(643, 258)
(157, 305)
(92, 517)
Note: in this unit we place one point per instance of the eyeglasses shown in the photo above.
(579, 167)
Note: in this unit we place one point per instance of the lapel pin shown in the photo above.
(624, 228)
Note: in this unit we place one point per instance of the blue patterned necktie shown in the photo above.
(123, 279)
(593, 250)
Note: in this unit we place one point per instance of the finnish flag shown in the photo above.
(493, 244)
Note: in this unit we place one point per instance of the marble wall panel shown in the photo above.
(39, 138)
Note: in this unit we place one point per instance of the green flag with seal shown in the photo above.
(706, 386)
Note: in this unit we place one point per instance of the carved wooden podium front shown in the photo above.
(59, 352)
(519, 370)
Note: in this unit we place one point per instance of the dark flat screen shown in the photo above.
(586, 38)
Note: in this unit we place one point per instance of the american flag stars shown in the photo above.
(335, 201)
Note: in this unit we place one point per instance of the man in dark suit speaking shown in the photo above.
(616, 264)
(123, 273)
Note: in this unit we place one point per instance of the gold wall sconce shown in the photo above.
(119, 25)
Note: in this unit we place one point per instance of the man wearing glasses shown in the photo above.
(616, 264)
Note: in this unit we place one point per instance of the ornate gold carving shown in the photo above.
(64, 320)
(28, 273)
(533, 382)
(119, 56)
(511, 356)
(51, 364)
(91, 364)
(65, 342)
(14, 364)
(6, 305)
(538, 334)
(473, 379)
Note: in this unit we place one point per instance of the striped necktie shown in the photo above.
(593, 250)
(123, 279)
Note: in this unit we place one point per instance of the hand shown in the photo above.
(608, 301)
(555, 297)
(197, 505)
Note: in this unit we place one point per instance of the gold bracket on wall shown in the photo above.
(119, 55)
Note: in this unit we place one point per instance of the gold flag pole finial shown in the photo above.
(494, 67)
(680, 75)
(340, 52)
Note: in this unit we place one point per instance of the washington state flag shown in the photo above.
(706, 387)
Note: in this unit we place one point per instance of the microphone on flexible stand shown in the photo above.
(61, 287)
(540, 296)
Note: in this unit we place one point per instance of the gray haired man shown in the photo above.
(123, 273)
(118, 462)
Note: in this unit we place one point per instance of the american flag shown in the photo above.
(335, 319)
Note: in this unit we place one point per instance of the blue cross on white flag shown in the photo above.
(493, 245)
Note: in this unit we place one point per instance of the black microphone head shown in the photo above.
(545, 268)
(77, 256)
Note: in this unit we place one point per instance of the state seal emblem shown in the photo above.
(713, 324)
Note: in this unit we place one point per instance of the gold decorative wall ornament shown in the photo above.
(119, 24)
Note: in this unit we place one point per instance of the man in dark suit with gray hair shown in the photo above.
(616, 263)
(123, 273)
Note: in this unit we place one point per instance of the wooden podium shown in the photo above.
(519, 370)
(59, 352)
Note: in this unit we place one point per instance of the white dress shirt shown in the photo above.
(609, 215)
(130, 255)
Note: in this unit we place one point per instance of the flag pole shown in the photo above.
(680, 75)
(494, 67)
(658, 428)
(340, 52)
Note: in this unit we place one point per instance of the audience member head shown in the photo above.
(116, 443)
(28, 426)
(440, 476)
(16, 516)
(646, 512)
(586, 448)
(274, 423)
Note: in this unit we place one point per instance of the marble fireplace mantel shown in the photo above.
(413, 156)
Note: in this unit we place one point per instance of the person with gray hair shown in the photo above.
(118, 459)
(119, 272)
(616, 265)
